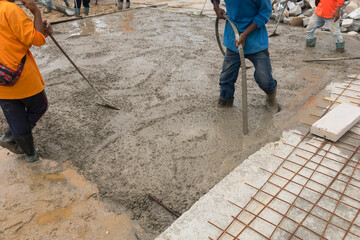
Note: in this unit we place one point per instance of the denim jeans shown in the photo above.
(230, 72)
(23, 114)
(316, 22)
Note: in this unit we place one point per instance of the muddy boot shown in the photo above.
(271, 102)
(26, 143)
(120, 4)
(86, 10)
(223, 102)
(47, 10)
(77, 12)
(127, 4)
(311, 42)
(340, 47)
(7, 141)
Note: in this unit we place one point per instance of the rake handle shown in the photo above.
(282, 13)
(72, 62)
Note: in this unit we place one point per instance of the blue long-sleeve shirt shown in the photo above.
(242, 13)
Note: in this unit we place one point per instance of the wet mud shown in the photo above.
(50, 200)
(169, 137)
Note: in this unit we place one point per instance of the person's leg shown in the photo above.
(48, 6)
(336, 33)
(263, 77)
(86, 4)
(314, 23)
(263, 71)
(16, 116)
(66, 3)
(127, 3)
(228, 77)
(120, 4)
(36, 106)
(77, 6)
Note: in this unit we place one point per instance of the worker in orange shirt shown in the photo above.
(327, 12)
(22, 96)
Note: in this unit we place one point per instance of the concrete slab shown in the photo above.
(337, 122)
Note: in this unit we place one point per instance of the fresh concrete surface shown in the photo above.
(215, 207)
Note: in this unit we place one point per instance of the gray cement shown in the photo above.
(215, 206)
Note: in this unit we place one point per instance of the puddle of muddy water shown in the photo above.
(55, 216)
(97, 26)
(46, 198)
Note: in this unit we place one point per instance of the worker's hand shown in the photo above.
(337, 16)
(220, 13)
(47, 28)
(31, 5)
(242, 40)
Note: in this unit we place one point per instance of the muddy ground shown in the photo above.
(169, 138)
(50, 200)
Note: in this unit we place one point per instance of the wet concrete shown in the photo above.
(49, 199)
(335, 179)
(169, 138)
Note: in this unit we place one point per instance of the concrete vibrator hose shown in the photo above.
(243, 70)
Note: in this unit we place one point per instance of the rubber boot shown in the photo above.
(77, 12)
(66, 3)
(223, 102)
(127, 4)
(340, 47)
(7, 141)
(26, 143)
(120, 4)
(86, 10)
(311, 42)
(47, 10)
(271, 102)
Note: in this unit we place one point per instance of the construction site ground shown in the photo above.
(169, 138)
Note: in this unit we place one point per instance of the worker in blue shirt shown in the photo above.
(250, 17)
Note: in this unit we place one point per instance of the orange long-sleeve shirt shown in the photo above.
(17, 35)
(327, 8)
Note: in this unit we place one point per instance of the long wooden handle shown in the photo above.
(67, 56)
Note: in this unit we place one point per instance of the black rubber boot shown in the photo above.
(223, 102)
(7, 141)
(271, 102)
(26, 143)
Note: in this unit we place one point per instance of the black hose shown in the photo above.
(218, 36)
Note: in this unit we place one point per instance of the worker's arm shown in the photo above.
(263, 14)
(38, 23)
(218, 10)
(337, 14)
(24, 29)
